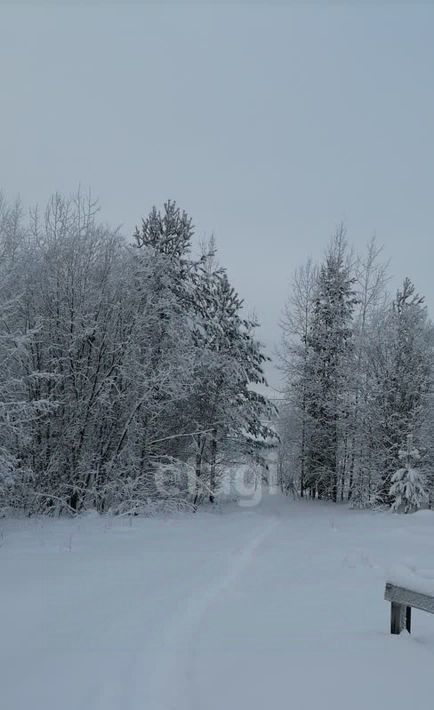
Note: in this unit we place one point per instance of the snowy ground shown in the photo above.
(277, 606)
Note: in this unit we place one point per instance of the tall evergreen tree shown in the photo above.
(229, 369)
(330, 341)
(404, 378)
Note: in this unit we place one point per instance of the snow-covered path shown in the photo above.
(275, 606)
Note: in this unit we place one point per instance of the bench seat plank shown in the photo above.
(408, 597)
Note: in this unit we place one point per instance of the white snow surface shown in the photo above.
(273, 607)
(416, 580)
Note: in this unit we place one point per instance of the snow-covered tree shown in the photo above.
(234, 414)
(372, 303)
(117, 359)
(358, 379)
(294, 357)
(330, 341)
(15, 410)
(409, 487)
(402, 358)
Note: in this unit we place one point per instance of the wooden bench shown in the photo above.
(402, 601)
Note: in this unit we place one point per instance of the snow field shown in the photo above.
(276, 606)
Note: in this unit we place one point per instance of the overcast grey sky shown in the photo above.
(269, 123)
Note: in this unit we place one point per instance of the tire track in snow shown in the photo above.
(169, 682)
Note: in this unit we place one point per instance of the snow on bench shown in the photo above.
(402, 601)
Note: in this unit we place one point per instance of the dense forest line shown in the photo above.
(127, 366)
(131, 378)
(357, 417)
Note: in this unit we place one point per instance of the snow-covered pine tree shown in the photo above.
(331, 346)
(233, 414)
(403, 361)
(408, 490)
(219, 411)
(165, 354)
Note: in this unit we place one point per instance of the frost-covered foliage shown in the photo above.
(116, 359)
(409, 488)
(358, 375)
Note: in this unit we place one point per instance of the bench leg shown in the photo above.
(397, 618)
(408, 619)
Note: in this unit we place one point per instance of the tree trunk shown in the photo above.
(213, 464)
